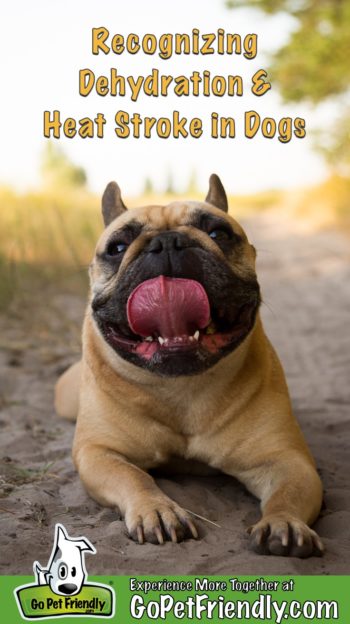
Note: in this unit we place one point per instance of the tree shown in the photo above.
(313, 65)
(169, 187)
(59, 171)
(192, 187)
(148, 186)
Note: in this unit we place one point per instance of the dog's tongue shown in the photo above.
(168, 306)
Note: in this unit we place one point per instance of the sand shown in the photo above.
(305, 279)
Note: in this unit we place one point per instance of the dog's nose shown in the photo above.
(67, 588)
(167, 241)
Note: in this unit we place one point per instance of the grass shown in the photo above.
(327, 203)
(47, 239)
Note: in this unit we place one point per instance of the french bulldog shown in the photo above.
(176, 364)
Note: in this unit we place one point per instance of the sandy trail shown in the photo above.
(305, 280)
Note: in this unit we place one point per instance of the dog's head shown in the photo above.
(174, 287)
(66, 571)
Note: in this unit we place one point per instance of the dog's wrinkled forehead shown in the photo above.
(176, 215)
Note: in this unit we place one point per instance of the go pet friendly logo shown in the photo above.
(60, 589)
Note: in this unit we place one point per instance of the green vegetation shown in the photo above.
(313, 65)
(58, 171)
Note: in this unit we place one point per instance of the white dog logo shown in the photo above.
(65, 572)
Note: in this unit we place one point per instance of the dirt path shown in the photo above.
(306, 287)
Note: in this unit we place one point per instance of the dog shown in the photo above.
(176, 364)
(65, 572)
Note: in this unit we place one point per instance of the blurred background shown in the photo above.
(293, 200)
(50, 190)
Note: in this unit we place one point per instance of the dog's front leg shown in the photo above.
(115, 482)
(290, 491)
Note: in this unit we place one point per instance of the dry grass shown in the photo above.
(328, 203)
(39, 233)
(47, 239)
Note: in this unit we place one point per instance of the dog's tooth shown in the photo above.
(161, 340)
(196, 335)
(149, 339)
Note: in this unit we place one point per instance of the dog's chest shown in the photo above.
(187, 412)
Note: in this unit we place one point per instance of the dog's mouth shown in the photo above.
(169, 315)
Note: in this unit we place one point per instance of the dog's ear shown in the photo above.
(61, 536)
(112, 203)
(84, 544)
(216, 194)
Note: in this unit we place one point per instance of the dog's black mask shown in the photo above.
(233, 301)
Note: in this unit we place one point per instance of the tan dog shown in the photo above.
(176, 365)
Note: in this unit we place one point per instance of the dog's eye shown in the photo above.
(219, 234)
(115, 248)
(62, 571)
(74, 571)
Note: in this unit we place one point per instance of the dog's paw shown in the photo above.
(286, 536)
(157, 519)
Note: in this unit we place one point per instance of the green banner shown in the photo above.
(191, 599)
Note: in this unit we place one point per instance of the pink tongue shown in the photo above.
(168, 306)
